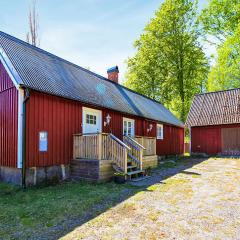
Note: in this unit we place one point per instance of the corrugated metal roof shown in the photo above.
(215, 108)
(45, 72)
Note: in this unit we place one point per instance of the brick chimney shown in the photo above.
(113, 74)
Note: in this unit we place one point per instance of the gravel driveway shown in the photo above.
(199, 199)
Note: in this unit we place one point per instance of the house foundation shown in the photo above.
(35, 175)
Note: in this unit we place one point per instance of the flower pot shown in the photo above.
(119, 179)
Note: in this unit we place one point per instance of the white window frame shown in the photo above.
(160, 134)
(133, 125)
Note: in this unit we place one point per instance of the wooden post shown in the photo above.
(99, 146)
(155, 146)
(125, 160)
(141, 158)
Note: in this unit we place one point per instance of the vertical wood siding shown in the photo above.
(208, 139)
(172, 142)
(8, 120)
(62, 118)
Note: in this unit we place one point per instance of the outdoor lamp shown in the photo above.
(108, 119)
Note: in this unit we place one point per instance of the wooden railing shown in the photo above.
(149, 143)
(119, 152)
(135, 152)
(101, 146)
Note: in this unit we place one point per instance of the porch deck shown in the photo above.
(97, 155)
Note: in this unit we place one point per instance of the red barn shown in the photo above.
(55, 114)
(214, 121)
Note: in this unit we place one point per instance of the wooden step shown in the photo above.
(135, 172)
(116, 168)
(130, 167)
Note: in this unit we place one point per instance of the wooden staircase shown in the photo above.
(134, 159)
(126, 155)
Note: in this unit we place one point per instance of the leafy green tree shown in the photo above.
(225, 74)
(170, 65)
(221, 20)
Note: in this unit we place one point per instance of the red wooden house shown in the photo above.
(214, 121)
(55, 114)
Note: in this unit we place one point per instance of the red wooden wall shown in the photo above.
(208, 139)
(8, 120)
(61, 118)
(173, 141)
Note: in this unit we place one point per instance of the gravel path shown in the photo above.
(195, 200)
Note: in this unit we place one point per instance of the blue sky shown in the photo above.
(96, 34)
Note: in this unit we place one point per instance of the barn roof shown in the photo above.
(45, 72)
(215, 108)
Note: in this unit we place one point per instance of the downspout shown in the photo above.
(24, 166)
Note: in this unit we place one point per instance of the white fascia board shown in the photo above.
(17, 82)
(10, 69)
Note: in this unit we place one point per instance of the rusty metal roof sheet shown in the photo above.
(45, 72)
(215, 108)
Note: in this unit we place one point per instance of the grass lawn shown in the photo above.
(29, 213)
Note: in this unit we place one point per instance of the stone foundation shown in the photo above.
(35, 175)
(11, 175)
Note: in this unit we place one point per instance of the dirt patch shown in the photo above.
(199, 200)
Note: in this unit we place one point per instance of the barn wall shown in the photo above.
(208, 139)
(62, 118)
(172, 142)
(8, 120)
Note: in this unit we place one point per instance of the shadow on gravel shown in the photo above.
(165, 170)
(170, 168)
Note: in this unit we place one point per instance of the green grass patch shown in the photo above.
(168, 165)
(27, 213)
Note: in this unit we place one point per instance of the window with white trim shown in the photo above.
(159, 131)
(128, 127)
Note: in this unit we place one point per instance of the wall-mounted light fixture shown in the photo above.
(108, 120)
(150, 128)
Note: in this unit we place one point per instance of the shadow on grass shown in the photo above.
(53, 212)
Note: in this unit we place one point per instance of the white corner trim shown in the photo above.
(20, 127)
(17, 82)
(10, 69)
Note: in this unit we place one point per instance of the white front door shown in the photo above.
(92, 120)
(128, 127)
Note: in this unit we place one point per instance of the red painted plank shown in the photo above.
(8, 120)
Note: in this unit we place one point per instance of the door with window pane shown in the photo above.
(92, 120)
(128, 127)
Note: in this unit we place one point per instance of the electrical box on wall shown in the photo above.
(43, 141)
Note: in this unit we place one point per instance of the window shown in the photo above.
(128, 127)
(43, 141)
(159, 131)
(91, 119)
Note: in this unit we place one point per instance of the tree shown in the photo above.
(221, 20)
(33, 34)
(225, 74)
(170, 65)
